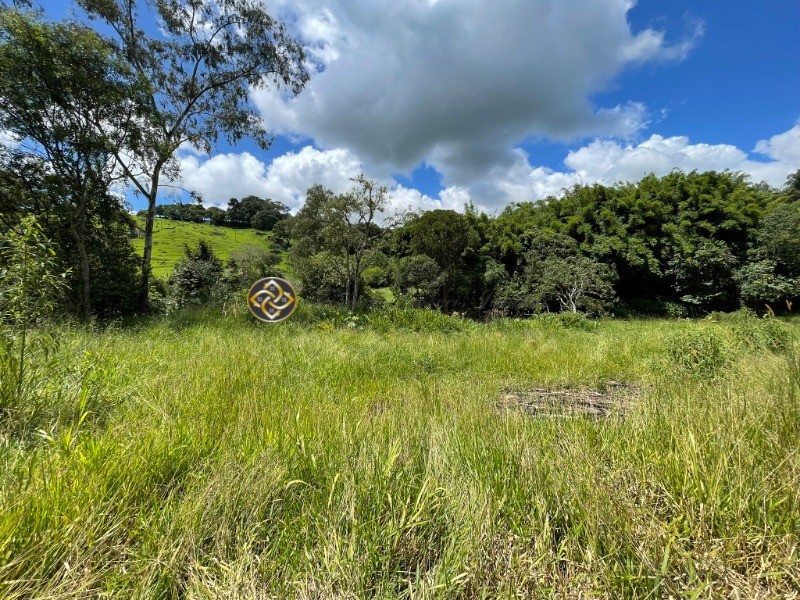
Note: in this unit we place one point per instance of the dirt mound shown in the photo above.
(614, 400)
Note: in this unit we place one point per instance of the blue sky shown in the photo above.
(508, 100)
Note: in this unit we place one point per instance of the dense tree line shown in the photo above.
(686, 243)
(250, 211)
(90, 111)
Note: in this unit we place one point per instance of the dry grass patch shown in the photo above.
(615, 399)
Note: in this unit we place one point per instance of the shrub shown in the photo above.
(250, 263)
(753, 333)
(29, 292)
(195, 277)
(701, 351)
(565, 320)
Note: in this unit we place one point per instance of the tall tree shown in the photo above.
(450, 239)
(199, 72)
(57, 80)
(341, 226)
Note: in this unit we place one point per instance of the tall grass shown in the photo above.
(215, 457)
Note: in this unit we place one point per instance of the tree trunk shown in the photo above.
(144, 293)
(78, 227)
(355, 283)
(347, 295)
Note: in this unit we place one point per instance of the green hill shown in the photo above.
(169, 238)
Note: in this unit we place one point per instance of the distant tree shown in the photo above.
(644, 231)
(450, 239)
(791, 189)
(250, 263)
(704, 275)
(772, 273)
(377, 269)
(557, 275)
(323, 277)
(577, 283)
(760, 284)
(778, 238)
(341, 226)
(282, 233)
(199, 70)
(417, 276)
(252, 211)
(217, 215)
(192, 213)
(267, 218)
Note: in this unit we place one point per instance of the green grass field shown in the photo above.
(169, 238)
(205, 455)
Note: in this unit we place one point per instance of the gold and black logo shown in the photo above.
(271, 299)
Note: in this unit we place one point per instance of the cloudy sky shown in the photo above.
(501, 101)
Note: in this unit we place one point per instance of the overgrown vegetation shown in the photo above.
(337, 458)
(384, 442)
(171, 237)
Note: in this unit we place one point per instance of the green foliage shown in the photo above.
(676, 238)
(295, 460)
(30, 286)
(59, 81)
(759, 283)
(192, 213)
(705, 349)
(778, 238)
(194, 87)
(333, 239)
(30, 290)
(197, 276)
(418, 277)
(557, 276)
(250, 263)
(704, 275)
(752, 333)
(322, 277)
(451, 240)
(255, 212)
(773, 273)
(216, 214)
(701, 351)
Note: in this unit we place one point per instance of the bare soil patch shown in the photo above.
(615, 399)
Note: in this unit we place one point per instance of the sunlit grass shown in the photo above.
(169, 238)
(320, 458)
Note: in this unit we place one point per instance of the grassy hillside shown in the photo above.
(399, 455)
(169, 238)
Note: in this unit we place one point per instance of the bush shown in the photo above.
(250, 263)
(196, 276)
(753, 333)
(701, 351)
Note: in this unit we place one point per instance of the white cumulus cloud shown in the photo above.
(287, 177)
(609, 162)
(459, 83)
